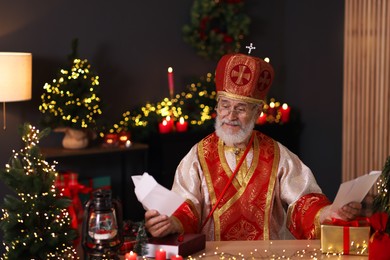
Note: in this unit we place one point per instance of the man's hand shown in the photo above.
(159, 225)
(350, 211)
(347, 212)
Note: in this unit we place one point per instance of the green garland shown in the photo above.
(216, 27)
(195, 105)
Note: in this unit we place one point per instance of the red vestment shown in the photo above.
(245, 210)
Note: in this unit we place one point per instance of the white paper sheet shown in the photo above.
(354, 190)
(154, 196)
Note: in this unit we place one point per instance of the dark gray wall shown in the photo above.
(132, 43)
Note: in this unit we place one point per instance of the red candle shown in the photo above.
(161, 254)
(170, 82)
(164, 127)
(111, 139)
(131, 256)
(124, 137)
(169, 121)
(182, 125)
(262, 119)
(272, 109)
(176, 257)
(285, 113)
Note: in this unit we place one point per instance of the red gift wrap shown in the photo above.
(379, 243)
(68, 184)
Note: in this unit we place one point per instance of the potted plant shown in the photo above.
(71, 102)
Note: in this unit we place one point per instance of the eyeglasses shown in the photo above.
(226, 109)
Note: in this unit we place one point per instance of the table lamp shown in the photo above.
(15, 78)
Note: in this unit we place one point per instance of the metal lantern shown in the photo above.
(102, 226)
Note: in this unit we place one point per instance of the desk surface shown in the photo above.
(262, 250)
(276, 249)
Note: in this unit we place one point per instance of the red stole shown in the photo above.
(244, 211)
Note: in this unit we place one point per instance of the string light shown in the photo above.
(195, 105)
(63, 104)
(33, 217)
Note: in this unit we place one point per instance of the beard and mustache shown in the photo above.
(228, 136)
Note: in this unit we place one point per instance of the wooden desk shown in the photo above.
(118, 162)
(265, 250)
(276, 249)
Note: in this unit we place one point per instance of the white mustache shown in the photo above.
(227, 121)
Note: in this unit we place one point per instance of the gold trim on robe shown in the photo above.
(244, 210)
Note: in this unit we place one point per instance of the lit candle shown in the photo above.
(131, 256)
(170, 82)
(262, 119)
(111, 139)
(124, 137)
(182, 125)
(272, 109)
(161, 254)
(169, 121)
(176, 257)
(285, 113)
(128, 144)
(164, 127)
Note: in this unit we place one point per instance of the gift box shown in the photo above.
(95, 183)
(175, 245)
(346, 240)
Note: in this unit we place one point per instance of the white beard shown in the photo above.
(228, 137)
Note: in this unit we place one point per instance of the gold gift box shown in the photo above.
(332, 240)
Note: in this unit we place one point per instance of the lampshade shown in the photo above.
(15, 76)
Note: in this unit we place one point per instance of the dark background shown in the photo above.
(130, 44)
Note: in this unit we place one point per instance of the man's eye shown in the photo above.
(241, 110)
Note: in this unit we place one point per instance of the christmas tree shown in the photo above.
(72, 100)
(141, 239)
(35, 220)
(381, 201)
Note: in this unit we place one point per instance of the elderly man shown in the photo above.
(240, 184)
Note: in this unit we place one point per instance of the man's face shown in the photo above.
(235, 119)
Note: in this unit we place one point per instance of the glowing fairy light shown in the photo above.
(63, 104)
(27, 164)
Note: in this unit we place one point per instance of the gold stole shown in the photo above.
(244, 211)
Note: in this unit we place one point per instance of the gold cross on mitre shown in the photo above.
(250, 47)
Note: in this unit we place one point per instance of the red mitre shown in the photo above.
(243, 77)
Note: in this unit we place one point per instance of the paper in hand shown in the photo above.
(154, 196)
(355, 190)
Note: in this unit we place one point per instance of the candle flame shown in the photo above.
(284, 106)
(170, 70)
